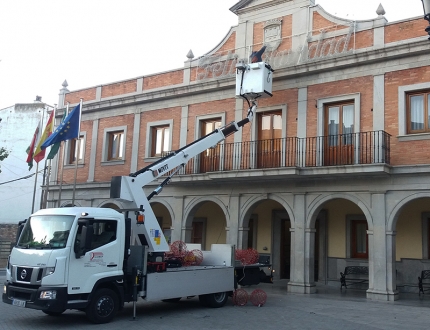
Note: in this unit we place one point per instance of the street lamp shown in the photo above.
(426, 8)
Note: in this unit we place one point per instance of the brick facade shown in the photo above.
(371, 177)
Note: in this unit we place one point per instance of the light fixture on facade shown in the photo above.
(426, 8)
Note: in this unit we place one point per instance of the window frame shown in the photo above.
(99, 226)
(70, 147)
(354, 99)
(149, 136)
(154, 140)
(106, 145)
(198, 133)
(111, 138)
(402, 112)
(322, 104)
(426, 100)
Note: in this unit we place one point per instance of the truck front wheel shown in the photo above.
(103, 306)
(214, 300)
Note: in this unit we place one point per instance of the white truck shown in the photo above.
(97, 259)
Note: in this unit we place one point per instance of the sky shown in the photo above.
(93, 42)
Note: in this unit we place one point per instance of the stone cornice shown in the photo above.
(247, 9)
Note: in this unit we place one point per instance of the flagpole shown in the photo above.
(44, 202)
(45, 196)
(78, 141)
(37, 166)
(62, 162)
(42, 195)
(34, 190)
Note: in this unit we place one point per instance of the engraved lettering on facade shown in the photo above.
(218, 65)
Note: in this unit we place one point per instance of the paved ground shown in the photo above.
(328, 309)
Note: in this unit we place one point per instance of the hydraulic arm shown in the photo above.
(252, 81)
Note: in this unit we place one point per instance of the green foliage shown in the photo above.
(3, 154)
(37, 244)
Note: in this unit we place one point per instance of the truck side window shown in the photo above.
(104, 232)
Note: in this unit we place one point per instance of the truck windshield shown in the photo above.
(46, 232)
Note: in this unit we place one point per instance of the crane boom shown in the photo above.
(252, 81)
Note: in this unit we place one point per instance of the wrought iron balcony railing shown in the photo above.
(333, 150)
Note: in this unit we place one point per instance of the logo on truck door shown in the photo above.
(96, 256)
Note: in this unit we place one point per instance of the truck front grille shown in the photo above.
(23, 274)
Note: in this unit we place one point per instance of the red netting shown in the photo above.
(193, 258)
(258, 297)
(178, 249)
(240, 297)
(247, 257)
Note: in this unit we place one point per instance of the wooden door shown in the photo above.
(269, 144)
(359, 239)
(339, 137)
(210, 158)
(197, 232)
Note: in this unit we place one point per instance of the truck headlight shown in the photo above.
(50, 294)
(4, 289)
(49, 271)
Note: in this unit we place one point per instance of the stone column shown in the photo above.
(232, 228)
(379, 250)
(309, 266)
(178, 213)
(391, 265)
(302, 243)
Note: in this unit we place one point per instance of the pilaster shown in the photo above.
(93, 151)
(135, 145)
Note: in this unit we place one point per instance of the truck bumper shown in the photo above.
(22, 296)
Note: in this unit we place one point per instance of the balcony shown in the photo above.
(296, 153)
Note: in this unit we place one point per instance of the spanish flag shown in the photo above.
(39, 153)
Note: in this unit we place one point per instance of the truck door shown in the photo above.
(101, 261)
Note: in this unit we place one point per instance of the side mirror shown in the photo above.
(21, 225)
(83, 242)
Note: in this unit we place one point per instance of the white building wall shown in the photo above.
(16, 131)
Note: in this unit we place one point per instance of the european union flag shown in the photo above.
(68, 129)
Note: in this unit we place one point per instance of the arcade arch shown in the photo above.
(409, 227)
(205, 224)
(338, 226)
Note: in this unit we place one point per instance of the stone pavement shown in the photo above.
(328, 309)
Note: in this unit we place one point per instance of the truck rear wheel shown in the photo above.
(103, 306)
(214, 300)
